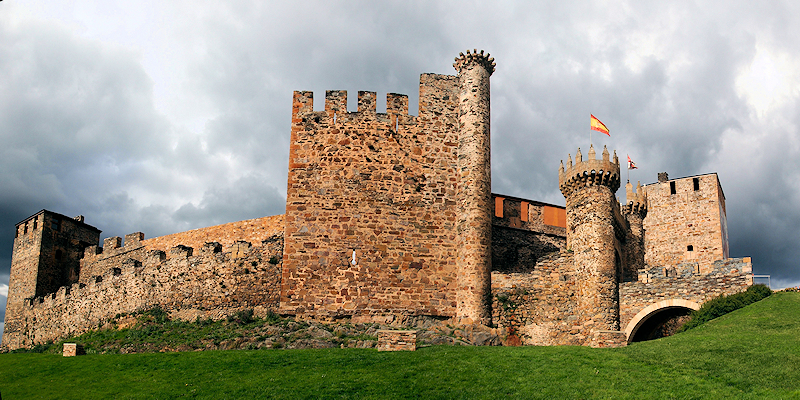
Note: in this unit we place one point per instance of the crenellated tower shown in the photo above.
(589, 188)
(634, 212)
(474, 196)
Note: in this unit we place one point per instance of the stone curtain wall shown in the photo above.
(206, 282)
(520, 236)
(383, 185)
(251, 230)
(687, 218)
(539, 307)
(683, 282)
(99, 260)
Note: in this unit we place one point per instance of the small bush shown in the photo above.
(272, 317)
(242, 317)
(157, 314)
(723, 304)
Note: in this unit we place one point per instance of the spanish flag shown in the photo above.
(596, 125)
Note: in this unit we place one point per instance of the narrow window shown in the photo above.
(696, 182)
(689, 248)
(58, 254)
(16, 233)
(56, 225)
(26, 228)
(672, 188)
(35, 222)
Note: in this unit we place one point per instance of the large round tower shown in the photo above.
(592, 209)
(474, 227)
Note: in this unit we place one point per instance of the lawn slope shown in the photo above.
(750, 353)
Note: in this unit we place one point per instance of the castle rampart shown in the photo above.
(188, 283)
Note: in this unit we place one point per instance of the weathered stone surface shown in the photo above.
(689, 225)
(397, 340)
(73, 349)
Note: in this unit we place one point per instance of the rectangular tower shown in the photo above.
(686, 222)
(46, 255)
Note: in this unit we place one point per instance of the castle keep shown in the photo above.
(390, 217)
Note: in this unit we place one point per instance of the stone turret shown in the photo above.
(589, 188)
(474, 226)
(634, 212)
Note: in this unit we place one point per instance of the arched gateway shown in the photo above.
(653, 317)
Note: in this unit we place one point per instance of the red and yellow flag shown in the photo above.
(596, 125)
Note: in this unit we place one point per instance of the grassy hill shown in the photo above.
(751, 353)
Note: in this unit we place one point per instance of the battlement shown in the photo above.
(336, 109)
(154, 262)
(590, 172)
(475, 58)
(113, 246)
(636, 200)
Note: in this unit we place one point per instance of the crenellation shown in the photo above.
(111, 243)
(133, 239)
(180, 251)
(367, 103)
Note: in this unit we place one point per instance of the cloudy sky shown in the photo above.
(166, 116)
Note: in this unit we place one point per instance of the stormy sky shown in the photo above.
(160, 116)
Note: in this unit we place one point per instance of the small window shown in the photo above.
(26, 228)
(672, 188)
(35, 223)
(56, 225)
(58, 254)
(16, 233)
(696, 182)
(689, 248)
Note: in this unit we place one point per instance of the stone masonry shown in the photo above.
(390, 217)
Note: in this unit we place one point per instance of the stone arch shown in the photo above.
(642, 316)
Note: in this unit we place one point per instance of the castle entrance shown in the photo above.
(660, 320)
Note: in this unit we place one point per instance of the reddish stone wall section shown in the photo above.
(371, 210)
(251, 230)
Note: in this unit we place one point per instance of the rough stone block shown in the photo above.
(397, 340)
(73, 349)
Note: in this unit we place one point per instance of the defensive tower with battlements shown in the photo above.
(593, 231)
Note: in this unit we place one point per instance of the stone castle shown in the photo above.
(390, 218)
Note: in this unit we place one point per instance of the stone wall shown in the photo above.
(523, 231)
(539, 307)
(687, 226)
(99, 260)
(188, 283)
(371, 205)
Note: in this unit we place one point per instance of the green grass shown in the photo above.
(753, 352)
